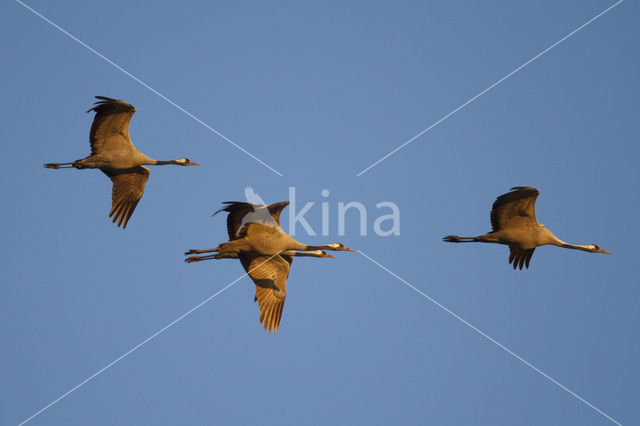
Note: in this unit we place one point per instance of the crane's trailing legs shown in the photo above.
(480, 239)
(194, 251)
(456, 239)
(211, 256)
(60, 165)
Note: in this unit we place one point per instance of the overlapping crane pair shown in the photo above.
(255, 236)
(265, 251)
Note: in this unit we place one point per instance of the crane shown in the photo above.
(514, 223)
(115, 155)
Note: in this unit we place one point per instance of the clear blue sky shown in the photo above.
(319, 91)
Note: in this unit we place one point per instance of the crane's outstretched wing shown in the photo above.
(515, 209)
(276, 208)
(110, 128)
(520, 256)
(270, 277)
(128, 188)
(238, 210)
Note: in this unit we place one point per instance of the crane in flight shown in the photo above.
(514, 223)
(263, 254)
(115, 155)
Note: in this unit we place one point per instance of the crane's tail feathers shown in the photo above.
(456, 239)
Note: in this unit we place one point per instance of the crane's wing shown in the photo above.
(110, 128)
(238, 210)
(276, 208)
(515, 209)
(269, 274)
(128, 188)
(520, 256)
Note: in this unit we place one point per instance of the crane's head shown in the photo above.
(595, 249)
(338, 247)
(185, 162)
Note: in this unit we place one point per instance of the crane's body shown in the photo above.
(114, 160)
(267, 240)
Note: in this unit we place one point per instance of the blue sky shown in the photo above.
(319, 92)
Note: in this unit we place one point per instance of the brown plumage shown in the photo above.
(515, 209)
(262, 233)
(269, 272)
(514, 223)
(115, 155)
(127, 190)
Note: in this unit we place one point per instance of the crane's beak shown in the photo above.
(348, 249)
(193, 163)
(607, 252)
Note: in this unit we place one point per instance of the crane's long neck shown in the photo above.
(333, 247)
(162, 162)
(314, 248)
(293, 244)
(574, 246)
(316, 253)
(553, 240)
(290, 243)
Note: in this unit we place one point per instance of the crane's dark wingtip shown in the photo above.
(524, 188)
(106, 103)
(225, 208)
